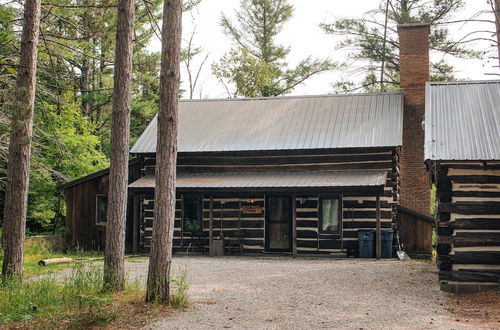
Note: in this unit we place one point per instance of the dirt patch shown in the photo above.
(305, 293)
(481, 309)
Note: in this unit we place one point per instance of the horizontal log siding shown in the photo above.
(228, 219)
(359, 212)
(468, 223)
(284, 161)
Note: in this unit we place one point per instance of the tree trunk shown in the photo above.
(166, 155)
(114, 271)
(16, 192)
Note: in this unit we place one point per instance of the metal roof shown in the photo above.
(272, 179)
(285, 123)
(462, 120)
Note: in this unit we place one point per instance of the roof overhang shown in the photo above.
(274, 181)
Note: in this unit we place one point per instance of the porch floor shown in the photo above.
(282, 292)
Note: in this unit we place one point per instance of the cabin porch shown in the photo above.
(295, 220)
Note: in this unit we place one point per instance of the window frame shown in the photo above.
(320, 214)
(97, 197)
(199, 212)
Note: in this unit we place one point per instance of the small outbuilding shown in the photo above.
(462, 151)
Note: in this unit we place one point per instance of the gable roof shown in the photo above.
(462, 120)
(285, 123)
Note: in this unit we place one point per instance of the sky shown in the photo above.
(303, 35)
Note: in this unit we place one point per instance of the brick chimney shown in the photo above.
(414, 73)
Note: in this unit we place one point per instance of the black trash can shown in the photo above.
(365, 243)
(387, 237)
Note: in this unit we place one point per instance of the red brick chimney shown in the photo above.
(414, 73)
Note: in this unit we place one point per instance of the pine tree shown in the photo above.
(16, 194)
(114, 268)
(160, 260)
(256, 66)
(367, 48)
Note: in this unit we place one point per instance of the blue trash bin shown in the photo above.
(365, 243)
(386, 239)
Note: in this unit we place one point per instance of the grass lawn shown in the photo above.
(70, 295)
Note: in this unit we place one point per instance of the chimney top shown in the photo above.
(412, 25)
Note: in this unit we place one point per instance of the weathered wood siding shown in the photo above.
(469, 224)
(358, 212)
(309, 160)
(416, 235)
(82, 230)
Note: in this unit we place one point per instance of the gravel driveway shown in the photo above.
(286, 293)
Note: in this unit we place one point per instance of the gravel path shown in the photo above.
(286, 293)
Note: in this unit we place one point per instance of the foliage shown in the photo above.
(256, 65)
(74, 85)
(251, 76)
(65, 148)
(180, 298)
(363, 39)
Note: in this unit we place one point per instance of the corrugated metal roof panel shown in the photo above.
(272, 179)
(281, 123)
(462, 121)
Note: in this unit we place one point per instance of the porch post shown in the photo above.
(378, 243)
(294, 226)
(211, 228)
(135, 224)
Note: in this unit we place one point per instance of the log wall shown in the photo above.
(469, 225)
(358, 212)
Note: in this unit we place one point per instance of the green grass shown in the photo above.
(47, 297)
(180, 298)
(74, 299)
(34, 252)
(56, 298)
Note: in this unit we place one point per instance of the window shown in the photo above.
(192, 219)
(329, 215)
(101, 216)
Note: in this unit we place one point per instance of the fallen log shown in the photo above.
(46, 262)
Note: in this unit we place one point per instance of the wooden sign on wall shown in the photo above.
(251, 209)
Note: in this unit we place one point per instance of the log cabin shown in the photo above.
(299, 175)
(462, 151)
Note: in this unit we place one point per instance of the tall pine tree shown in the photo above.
(256, 65)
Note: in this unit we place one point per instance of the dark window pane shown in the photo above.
(192, 213)
(278, 221)
(102, 209)
(330, 215)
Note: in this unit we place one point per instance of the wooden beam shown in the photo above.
(211, 228)
(378, 243)
(135, 225)
(294, 226)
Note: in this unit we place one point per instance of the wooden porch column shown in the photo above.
(135, 224)
(378, 243)
(211, 228)
(294, 227)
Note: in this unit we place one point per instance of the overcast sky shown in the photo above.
(305, 38)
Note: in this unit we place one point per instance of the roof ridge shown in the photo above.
(463, 82)
(290, 97)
